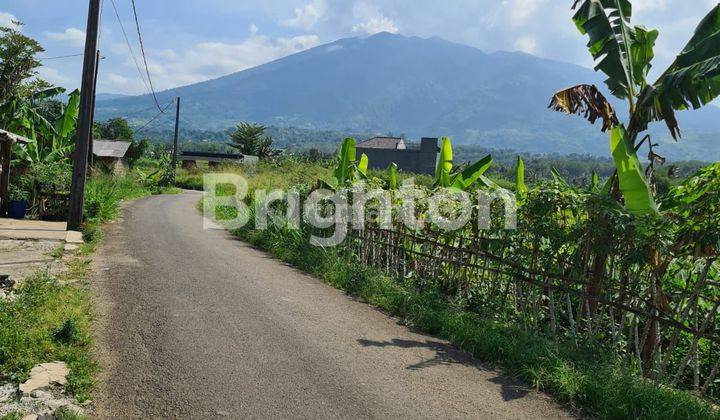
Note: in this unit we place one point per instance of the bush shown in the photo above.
(46, 185)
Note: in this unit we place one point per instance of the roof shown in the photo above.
(234, 156)
(108, 148)
(394, 143)
(6, 135)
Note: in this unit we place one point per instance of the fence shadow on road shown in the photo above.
(446, 355)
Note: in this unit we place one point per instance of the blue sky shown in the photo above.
(189, 41)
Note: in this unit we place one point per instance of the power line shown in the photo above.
(130, 48)
(138, 112)
(162, 111)
(142, 50)
(61, 56)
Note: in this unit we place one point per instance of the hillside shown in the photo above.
(413, 86)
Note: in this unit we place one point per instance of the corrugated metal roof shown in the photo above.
(6, 135)
(394, 143)
(108, 148)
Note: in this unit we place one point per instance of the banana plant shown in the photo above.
(463, 179)
(625, 53)
(349, 169)
(393, 177)
(50, 141)
(521, 188)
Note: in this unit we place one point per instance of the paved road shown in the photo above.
(197, 324)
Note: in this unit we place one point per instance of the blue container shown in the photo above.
(17, 209)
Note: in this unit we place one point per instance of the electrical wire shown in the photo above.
(142, 50)
(61, 56)
(130, 48)
(162, 111)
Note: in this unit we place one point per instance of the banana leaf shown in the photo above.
(691, 81)
(470, 175)
(66, 124)
(392, 176)
(633, 185)
(346, 156)
(594, 182)
(444, 164)
(521, 188)
(363, 164)
(558, 177)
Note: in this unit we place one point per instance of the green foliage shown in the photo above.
(250, 139)
(18, 61)
(392, 177)
(692, 80)
(17, 193)
(48, 321)
(624, 53)
(50, 141)
(634, 186)
(463, 179)
(47, 184)
(113, 129)
(521, 188)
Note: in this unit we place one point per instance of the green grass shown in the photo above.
(51, 318)
(48, 321)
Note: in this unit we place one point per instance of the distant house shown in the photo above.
(383, 151)
(112, 154)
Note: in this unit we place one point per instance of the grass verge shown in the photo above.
(51, 317)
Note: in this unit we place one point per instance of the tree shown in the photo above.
(250, 139)
(625, 53)
(113, 129)
(17, 59)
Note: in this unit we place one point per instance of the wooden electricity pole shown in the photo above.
(177, 133)
(84, 125)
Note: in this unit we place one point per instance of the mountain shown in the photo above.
(414, 86)
(109, 96)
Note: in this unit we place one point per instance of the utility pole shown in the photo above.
(84, 125)
(92, 120)
(177, 133)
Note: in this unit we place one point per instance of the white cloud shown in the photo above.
(6, 20)
(371, 19)
(306, 16)
(649, 5)
(72, 36)
(208, 60)
(522, 10)
(117, 79)
(376, 24)
(54, 76)
(527, 44)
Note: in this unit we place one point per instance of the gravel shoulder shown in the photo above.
(194, 323)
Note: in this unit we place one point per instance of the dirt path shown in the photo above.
(194, 323)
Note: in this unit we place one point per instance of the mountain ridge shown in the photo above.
(415, 86)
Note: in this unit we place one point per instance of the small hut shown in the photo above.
(112, 154)
(7, 139)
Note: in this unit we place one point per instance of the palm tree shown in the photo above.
(250, 139)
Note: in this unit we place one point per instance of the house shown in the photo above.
(383, 151)
(112, 154)
(7, 139)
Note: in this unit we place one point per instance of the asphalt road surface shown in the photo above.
(194, 323)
